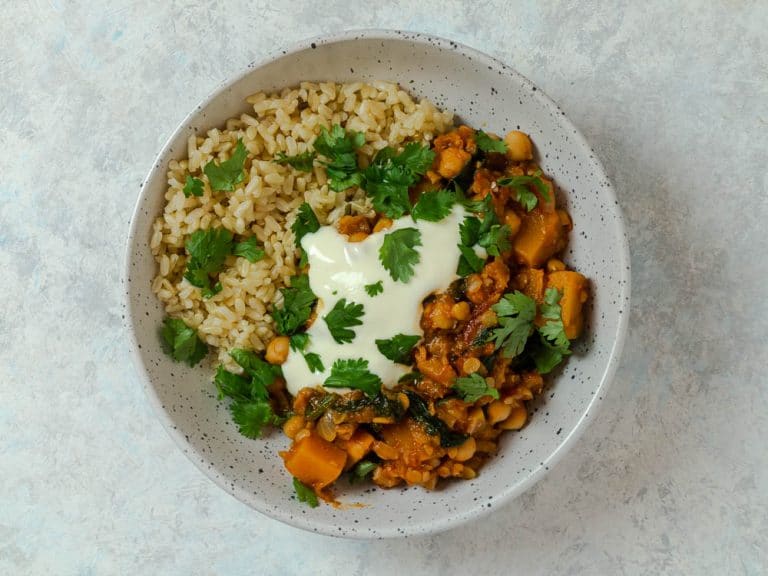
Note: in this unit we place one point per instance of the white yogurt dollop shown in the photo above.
(341, 269)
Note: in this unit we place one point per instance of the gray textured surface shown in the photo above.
(671, 478)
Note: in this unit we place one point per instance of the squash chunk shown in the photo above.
(574, 292)
(540, 237)
(315, 461)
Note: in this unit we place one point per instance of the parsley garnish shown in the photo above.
(193, 187)
(488, 233)
(207, 251)
(353, 374)
(431, 423)
(469, 261)
(374, 289)
(299, 341)
(521, 187)
(515, 313)
(553, 343)
(250, 406)
(433, 206)
(305, 494)
(306, 222)
(398, 348)
(473, 387)
(398, 255)
(298, 300)
(314, 362)
(225, 175)
(488, 144)
(250, 250)
(341, 318)
(361, 470)
(182, 342)
(339, 148)
(302, 162)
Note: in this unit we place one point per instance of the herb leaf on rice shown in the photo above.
(225, 175)
(207, 249)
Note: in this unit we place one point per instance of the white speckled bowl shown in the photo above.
(486, 94)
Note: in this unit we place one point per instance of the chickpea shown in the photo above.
(555, 265)
(516, 419)
(382, 224)
(460, 310)
(475, 420)
(519, 146)
(471, 365)
(277, 350)
(565, 219)
(463, 452)
(498, 412)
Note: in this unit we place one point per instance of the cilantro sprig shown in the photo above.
(299, 343)
(250, 406)
(250, 250)
(342, 317)
(192, 187)
(298, 301)
(361, 470)
(302, 162)
(398, 253)
(182, 342)
(339, 149)
(305, 494)
(516, 313)
(521, 186)
(390, 175)
(488, 233)
(434, 205)
(207, 249)
(353, 373)
(553, 345)
(306, 223)
(398, 348)
(473, 387)
(225, 175)
(488, 144)
(374, 289)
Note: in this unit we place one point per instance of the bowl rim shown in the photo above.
(476, 510)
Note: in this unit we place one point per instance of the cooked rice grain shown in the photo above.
(265, 202)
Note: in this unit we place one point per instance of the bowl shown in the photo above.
(484, 93)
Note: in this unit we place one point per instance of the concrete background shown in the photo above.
(672, 478)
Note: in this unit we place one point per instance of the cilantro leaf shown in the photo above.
(433, 206)
(298, 300)
(231, 385)
(314, 362)
(207, 249)
(251, 417)
(398, 348)
(262, 373)
(339, 146)
(488, 144)
(353, 374)
(361, 470)
(554, 344)
(193, 187)
(521, 187)
(225, 175)
(299, 341)
(515, 312)
(469, 261)
(374, 289)
(306, 222)
(305, 494)
(341, 318)
(398, 254)
(390, 175)
(473, 387)
(431, 423)
(470, 231)
(249, 249)
(388, 188)
(415, 157)
(302, 162)
(496, 239)
(182, 342)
